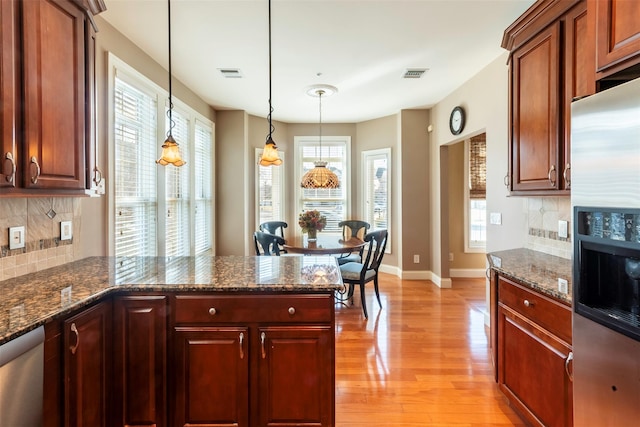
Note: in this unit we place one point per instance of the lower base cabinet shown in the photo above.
(210, 359)
(534, 355)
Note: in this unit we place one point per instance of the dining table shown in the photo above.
(324, 244)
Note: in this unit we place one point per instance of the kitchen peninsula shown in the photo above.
(189, 340)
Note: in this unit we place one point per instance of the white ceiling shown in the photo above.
(362, 47)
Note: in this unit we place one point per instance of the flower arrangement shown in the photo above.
(312, 221)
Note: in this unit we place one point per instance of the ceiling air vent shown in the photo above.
(230, 73)
(414, 73)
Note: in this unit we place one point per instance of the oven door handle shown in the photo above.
(568, 360)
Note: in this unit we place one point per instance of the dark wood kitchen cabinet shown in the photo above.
(87, 373)
(534, 354)
(617, 35)
(47, 88)
(140, 330)
(551, 62)
(274, 360)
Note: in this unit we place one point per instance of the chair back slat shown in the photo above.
(354, 228)
(267, 243)
(274, 227)
(377, 245)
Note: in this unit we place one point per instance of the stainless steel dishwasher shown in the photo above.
(21, 380)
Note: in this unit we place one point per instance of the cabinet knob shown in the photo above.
(292, 311)
(212, 311)
(11, 175)
(528, 303)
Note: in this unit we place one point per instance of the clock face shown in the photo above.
(456, 120)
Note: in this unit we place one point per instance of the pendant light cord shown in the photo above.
(171, 122)
(320, 92)
(271, 127)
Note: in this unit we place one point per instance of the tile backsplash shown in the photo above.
(41, 218)
(542, 216)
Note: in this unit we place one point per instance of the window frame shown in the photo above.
(282, 195)
(371, 155)
(345, 183)
(469, 245)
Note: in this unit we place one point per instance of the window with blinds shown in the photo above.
(270, 191)
(203, 196)
(135, 171)
(330, 202)
(159, 211)
(475, 196)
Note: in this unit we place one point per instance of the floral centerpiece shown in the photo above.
(311, 222)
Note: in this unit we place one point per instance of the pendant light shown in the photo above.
(270, 152)
(170, 150)
(320, 177)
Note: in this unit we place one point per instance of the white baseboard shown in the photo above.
(467, 272)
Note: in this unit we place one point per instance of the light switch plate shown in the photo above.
(563, 229)
(66, 230)
(495, 218)
(16, 237)
(563, 286)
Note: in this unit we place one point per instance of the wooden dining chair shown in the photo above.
(275, 227)
(352, 228)
(361, 273)
(267, 244)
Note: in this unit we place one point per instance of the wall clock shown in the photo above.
(456, 120)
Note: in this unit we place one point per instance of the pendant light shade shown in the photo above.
(320, 177)
(270, 153)
(170, 149)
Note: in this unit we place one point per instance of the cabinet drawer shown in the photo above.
(207, 308)
(551, 315)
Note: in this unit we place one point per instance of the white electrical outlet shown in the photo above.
(450, 256)
(66, 230)
(16, 315)
(563, 286)
(416, 259)
(16, 237)
(563, 229)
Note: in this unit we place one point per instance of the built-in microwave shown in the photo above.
(606, 274)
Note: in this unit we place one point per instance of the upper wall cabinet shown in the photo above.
(550, 64)
(47, 90)
(617, 31)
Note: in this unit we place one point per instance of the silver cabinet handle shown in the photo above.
(97, 175)
(263, 338)
(212, 311)
(505, 180)
(10, 177)
(528, 303)
(34, 178)
(241, 339)
(74, 347)
(567, 181)
(552, 170)
(292, 311)
(566, 365)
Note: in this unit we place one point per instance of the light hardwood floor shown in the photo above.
(421, 360)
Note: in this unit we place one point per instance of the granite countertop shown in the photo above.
(31, 300)
(536, 270)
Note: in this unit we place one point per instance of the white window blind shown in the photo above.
(177, 218)
(330, 202)
(475, 194)
(270, 183)
(135, 171)
(203, 195)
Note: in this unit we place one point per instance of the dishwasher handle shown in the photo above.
(16, 347)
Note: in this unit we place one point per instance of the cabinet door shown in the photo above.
(535, 111)
(210, 377)
(86, 366)
(532, 371)
(617, 33)
(579, 76)
(9, 93)
(54, 104)
(295, 376)
(140, 361)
